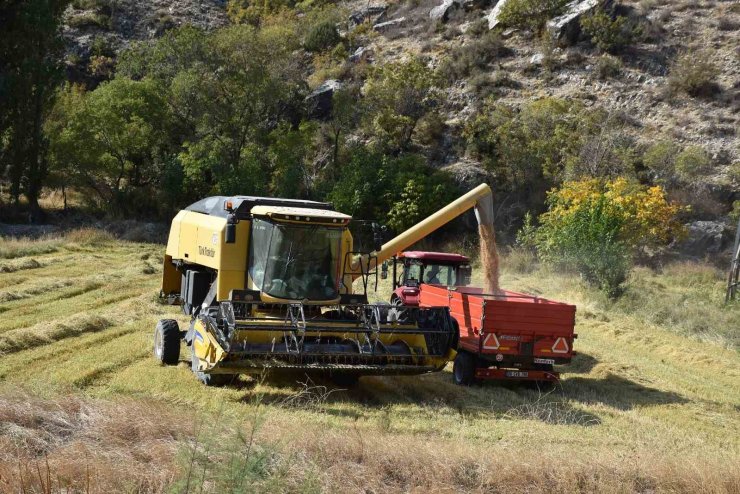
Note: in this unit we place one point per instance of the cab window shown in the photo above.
(439, 274)
(412, 273)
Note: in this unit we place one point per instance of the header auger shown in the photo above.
(268, 284)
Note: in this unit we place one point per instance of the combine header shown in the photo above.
(268, 284)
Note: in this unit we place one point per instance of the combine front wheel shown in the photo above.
(463, 369)
(167, 342)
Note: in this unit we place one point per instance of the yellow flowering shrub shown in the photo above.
(646, 216)
(594, 227)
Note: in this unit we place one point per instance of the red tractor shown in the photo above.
(507, 336)
(418, 267)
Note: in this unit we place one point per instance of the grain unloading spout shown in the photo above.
(484, 210)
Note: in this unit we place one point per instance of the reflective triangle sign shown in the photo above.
(560, 346)
(490, 342)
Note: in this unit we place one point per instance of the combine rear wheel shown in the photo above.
(463, 369)
(167, 342)
(208, 379)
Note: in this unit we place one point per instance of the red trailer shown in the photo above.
(507, 336)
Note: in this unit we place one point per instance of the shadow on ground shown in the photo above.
(436, 394)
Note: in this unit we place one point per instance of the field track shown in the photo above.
(646, 405)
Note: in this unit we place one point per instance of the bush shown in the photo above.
(609, 35)
(530, 14)
(695, 74)
(692, 163)
(608, 67)
(474, 56)
(660, 160)
(587, 240)
(529, 147)
(321, 37)
(595, 227)
(90, 19)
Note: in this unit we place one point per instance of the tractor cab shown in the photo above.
(433, 268)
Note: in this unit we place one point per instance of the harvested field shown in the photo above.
(651, 403)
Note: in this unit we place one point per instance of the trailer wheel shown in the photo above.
(167, 342)
(208, 379)
(463, 369)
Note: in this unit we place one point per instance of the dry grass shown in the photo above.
(12, 248)
(88, 236)
(648, 405)
(71, 444)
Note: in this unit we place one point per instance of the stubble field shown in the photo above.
(651, 403)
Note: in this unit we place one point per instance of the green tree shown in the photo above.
(399, 191)
(345, 115)
(397, 96)
(111, 140)
(30, 70)
(227, 91)
(290, 155)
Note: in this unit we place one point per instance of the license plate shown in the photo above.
(544, 361)
(517, 374)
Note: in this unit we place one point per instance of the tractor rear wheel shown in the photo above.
(463, 369)
(167, 342)
(208, 379)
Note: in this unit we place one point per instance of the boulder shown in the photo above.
(567, 27)
(442, 12)
(388, 25)
(319, 101)
(373, 13)
(360, 54)
(705, 237)
(537, 59)
(492, 16)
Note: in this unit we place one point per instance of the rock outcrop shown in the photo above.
(567, 27)
(705, 237)
(320, 100)
(443, 11)
(492, 16)
(372, 13)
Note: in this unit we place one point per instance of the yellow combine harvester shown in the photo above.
(268, 283)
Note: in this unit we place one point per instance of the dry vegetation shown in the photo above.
(651, 403)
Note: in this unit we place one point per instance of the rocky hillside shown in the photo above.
(644, 80)
(637, 84)
(95, 30)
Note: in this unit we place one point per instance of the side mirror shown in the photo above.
(379, 233)
(384, 271)
(230, 234)
(465, 273)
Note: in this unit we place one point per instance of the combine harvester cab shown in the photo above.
(506, 336)
(268, 284)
